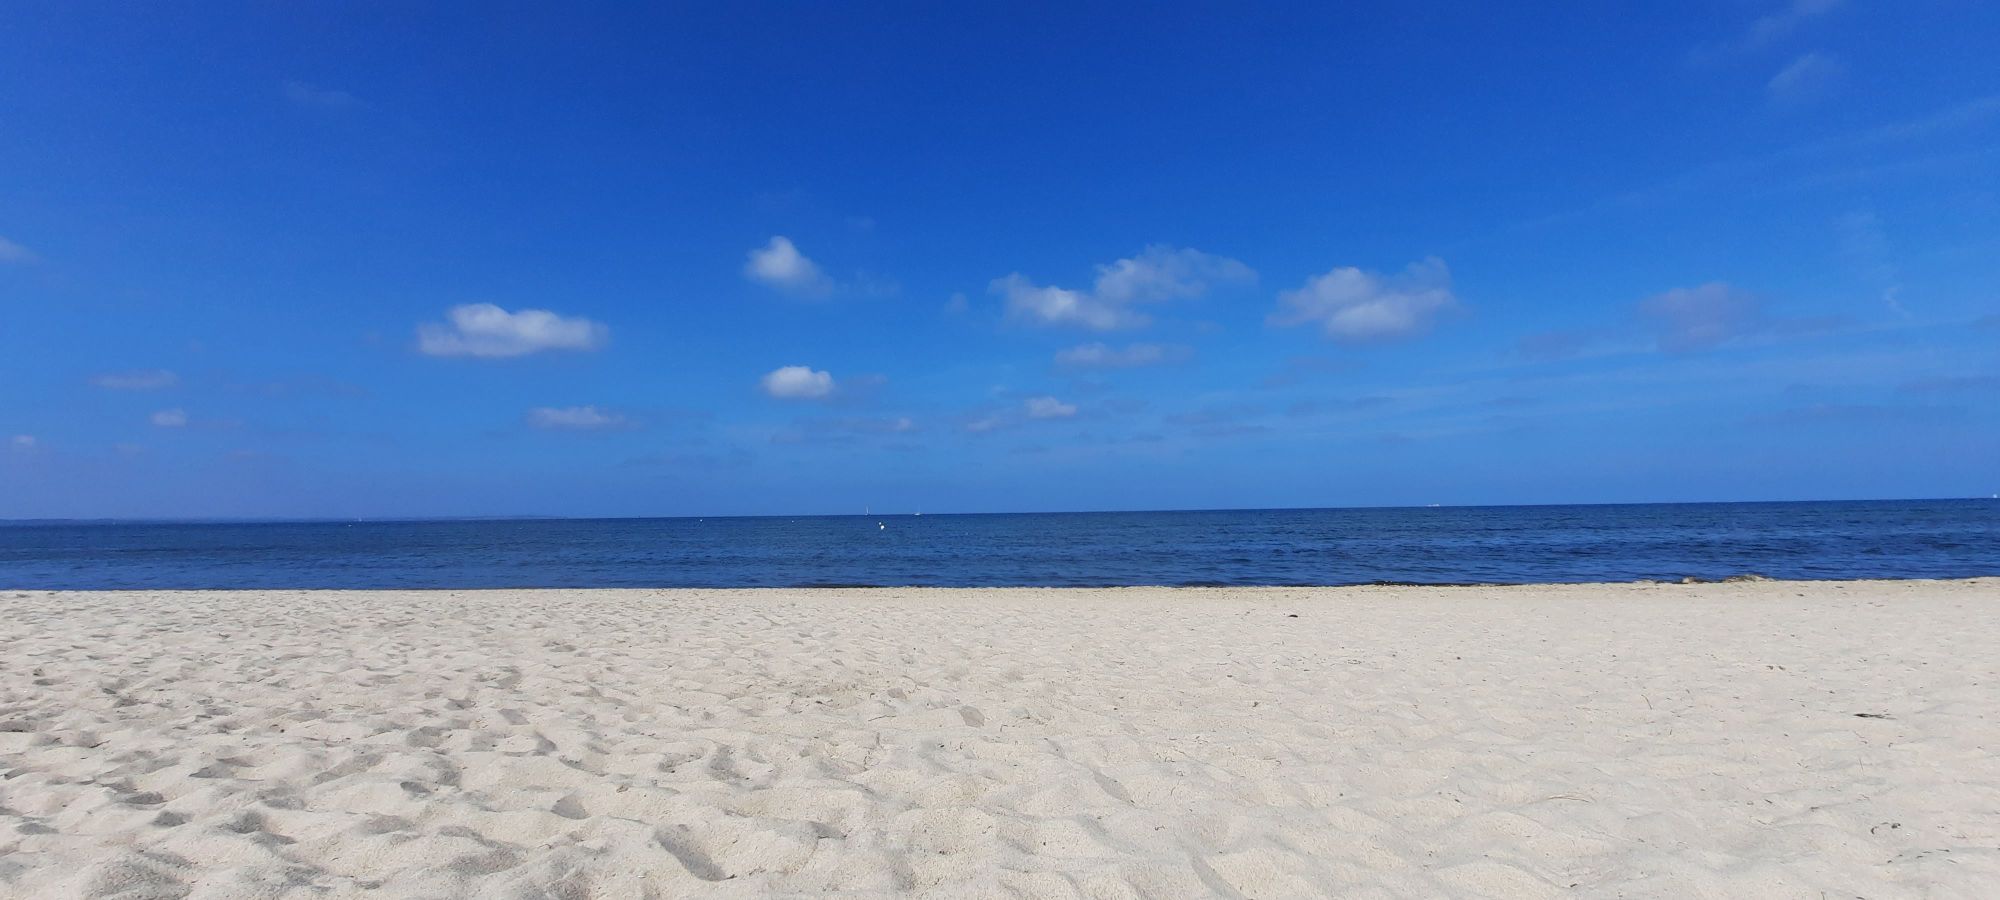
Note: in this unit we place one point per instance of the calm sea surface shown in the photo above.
(1915, 539)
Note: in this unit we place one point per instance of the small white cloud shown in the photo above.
(1354, 306)
(1048, 408)
(1697, 318)
(798, 383)
(1784, 22)
(780, 265)
(1166, 273)
(1808, 78)
(22, 442)
(137, 380)
(1159, 273)
(1131, 356)
(311, 95)
(485, 330)
(170, 418)
(1765, 31)
(575, 418)
(1027, 301)
(11, 252)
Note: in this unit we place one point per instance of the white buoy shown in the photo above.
(881, 527)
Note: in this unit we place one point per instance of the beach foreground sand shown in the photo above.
(1723, 740)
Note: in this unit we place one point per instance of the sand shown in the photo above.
(1725, 740)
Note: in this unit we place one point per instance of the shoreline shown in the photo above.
(1768, 738)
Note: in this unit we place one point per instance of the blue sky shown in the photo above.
(482, 259)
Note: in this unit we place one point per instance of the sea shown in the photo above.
(1426, 545)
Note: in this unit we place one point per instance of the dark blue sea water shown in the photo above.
(1923, 539)
(1912, 539)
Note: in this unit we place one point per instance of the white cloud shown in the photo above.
(170, 418)
(1165, 273)
(1783, 22)
(1027, 301)
(1059, 306)
(11, 252)
(1157, 274)
(1765, 31)
(1683, 320)
(485, 330)
(1032, 408)
(1098, 355)
(798, 383)
(578, 418)
(137, 380)
(780, 265)
(311, 95)
(1697, 318)
(22, 442)
(1808, 78)
(1354, 306)
(1048, 408)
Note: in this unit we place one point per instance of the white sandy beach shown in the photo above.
(1723, 740)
